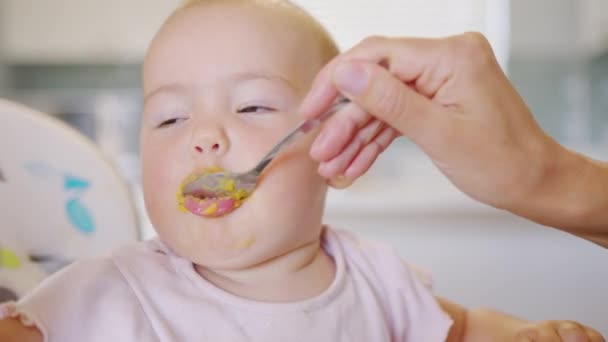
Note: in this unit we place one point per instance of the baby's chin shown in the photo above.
(233, 253)
(213, 249)
(238, 240)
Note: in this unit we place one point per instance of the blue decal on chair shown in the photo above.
(74, 186)
(79, 216)
(71, 182)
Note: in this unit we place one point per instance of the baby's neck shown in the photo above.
(302, 273)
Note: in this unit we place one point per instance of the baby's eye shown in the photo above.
(170, 122)
(255, 109)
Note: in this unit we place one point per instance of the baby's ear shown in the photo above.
(340, 182)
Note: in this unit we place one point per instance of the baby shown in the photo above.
(222, 84)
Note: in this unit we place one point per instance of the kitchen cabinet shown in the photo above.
(117, 31)
(91, 31)
(79, 31)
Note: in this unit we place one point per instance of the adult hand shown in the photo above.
(451, 98)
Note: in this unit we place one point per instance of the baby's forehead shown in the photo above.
(201, 37)
(283, 16)
(196, 42)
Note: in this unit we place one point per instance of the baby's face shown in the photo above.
(222, 84)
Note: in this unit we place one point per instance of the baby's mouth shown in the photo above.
(216, 202)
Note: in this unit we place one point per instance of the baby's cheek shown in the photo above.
(159, 186)
(298, 177)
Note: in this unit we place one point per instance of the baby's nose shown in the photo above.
(211, 143)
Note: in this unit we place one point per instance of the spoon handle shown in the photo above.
(304, 128)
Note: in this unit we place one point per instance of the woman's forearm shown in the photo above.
(571, 195)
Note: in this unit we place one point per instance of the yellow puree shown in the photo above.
(226, 185)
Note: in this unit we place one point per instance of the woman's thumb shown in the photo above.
(384, 96)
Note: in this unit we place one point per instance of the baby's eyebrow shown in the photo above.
(167, 88)
(176, 88)
(253, 75)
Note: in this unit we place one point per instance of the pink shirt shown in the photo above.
(147, 293)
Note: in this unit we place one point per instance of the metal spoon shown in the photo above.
(247, 181)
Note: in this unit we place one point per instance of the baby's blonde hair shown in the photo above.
(328, 46)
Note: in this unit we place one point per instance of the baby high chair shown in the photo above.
(60, 200)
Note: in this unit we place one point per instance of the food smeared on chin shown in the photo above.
(211, 202)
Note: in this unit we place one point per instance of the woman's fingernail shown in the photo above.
(340, 179)
(351, 78)
(340, 182)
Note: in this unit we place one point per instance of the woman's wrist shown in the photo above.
(570, 192)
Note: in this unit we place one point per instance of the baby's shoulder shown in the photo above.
(90, 296)
(402, 290)
(375, 257)
(73, 291)
(360, 250)
(84, 280)
(98, 276)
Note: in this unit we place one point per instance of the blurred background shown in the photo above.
(79, 60)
